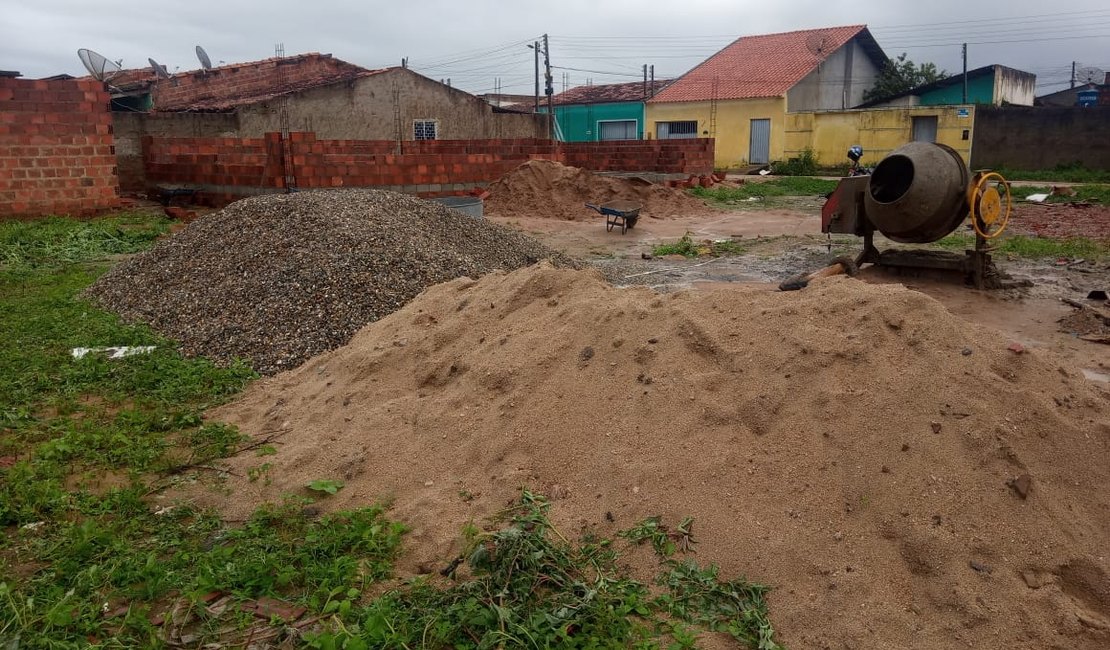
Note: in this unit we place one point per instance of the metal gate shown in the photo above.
(760, 150)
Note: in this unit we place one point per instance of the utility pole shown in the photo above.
(1073, 74)
(536, 48)
(645, 81)
(550, 89)
(652, 94)
(965, 73)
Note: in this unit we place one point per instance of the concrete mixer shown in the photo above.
(918, 194)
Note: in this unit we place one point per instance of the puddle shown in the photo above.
(1096, 376)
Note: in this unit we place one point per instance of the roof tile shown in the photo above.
(759, 66)
(632, 91)
(228, 87)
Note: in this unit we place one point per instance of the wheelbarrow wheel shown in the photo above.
(631, 221)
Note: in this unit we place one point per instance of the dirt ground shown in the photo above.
(782, 242)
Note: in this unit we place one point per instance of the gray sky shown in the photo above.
(473, 42)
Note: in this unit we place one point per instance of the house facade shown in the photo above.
(993, 85)
(316, 92)
(741, 95)
(1088, 94)
(603, 112)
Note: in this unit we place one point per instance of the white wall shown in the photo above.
(838, 82)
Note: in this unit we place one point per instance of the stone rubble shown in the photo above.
(277, 279)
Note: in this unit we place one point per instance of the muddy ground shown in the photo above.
(783, 239)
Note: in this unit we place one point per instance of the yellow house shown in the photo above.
(741, 95)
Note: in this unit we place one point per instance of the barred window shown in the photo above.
(424, 130)
(676, 130)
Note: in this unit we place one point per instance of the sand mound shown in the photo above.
(849, 444)
(277, 279)
(542, 188)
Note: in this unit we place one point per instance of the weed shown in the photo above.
(327, 486)
(532, 588)
(686, 247)
(651, 530)
(803, 165)
(255, 473)
(737, 607)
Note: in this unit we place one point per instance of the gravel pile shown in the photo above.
(277, 279)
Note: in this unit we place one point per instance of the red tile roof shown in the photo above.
(763, 66)
(632, 91)
(227, 87)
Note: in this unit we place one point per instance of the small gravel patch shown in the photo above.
(278, 279)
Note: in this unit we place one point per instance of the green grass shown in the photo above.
(88, 558)
(1095, 193)
(1035, 247)
(687, 247)
(779, 187)
(57, 241)
(1061, 174)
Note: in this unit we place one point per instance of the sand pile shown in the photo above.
(543, 188)
(277, 279)
(855, 446)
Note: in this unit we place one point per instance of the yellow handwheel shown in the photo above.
(988, 216)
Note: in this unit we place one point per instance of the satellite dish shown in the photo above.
(205, 62)
(98, 65)
(159, 70)
(1090, 75)
(818, 45)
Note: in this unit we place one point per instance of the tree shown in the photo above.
(900, 75)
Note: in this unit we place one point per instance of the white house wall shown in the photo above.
(838, 83)
(1014, 87)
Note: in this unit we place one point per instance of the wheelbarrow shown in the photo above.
(621, 213)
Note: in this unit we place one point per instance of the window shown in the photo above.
(676, 130)
(616, 130)
(424, 129)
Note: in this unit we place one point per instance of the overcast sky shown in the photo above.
(475, 42)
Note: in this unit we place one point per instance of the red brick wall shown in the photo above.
(56, 153)
(429, 165)
(694, 156)
(229, 168)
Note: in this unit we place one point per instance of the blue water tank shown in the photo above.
(1087, 97)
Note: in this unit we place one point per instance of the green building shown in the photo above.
(605, 112)
(994, 85)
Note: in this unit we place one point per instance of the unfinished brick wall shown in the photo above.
(693, 156)
(223, 169)
(226, 169)
(56, 153)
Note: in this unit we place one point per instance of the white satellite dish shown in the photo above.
(159, 70)
(98, 65)
(205, 62)
(1090, 75)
